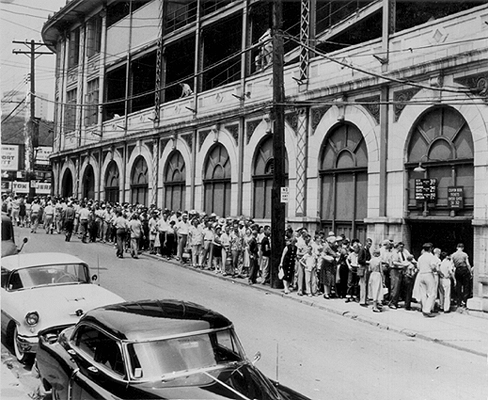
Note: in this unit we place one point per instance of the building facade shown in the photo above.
(386, 134)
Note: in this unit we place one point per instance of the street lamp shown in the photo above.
(419, 167)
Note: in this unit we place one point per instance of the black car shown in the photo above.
(152, 349)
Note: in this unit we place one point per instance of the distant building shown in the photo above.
(386, 110)
(15, 99)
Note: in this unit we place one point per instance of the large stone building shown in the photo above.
(168, 102)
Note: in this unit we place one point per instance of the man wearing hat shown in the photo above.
(182, 228)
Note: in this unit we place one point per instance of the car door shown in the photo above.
(101, 370)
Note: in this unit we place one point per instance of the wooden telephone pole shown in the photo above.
(278, 116)
(32, 139)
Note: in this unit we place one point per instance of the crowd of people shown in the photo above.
(318, 264)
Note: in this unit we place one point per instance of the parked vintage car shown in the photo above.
(45, 292)
(153, 349)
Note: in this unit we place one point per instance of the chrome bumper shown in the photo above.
(28, 344)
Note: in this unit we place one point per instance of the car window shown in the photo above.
(100, 348)
(30, 277)
(5, 274)
(155, 359)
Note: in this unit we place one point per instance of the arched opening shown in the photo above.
(440, 169)
(263, 178)
(112, 189)
(344, 182)
(88, 191)
(174, 182)
(216, 182)
(67, 184)
(139, 182)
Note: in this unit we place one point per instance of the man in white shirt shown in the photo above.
(427, 264)
(182, 229)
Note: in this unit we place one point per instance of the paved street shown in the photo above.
(318, 353)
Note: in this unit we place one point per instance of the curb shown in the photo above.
(347, 314)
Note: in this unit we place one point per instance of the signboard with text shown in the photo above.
(10, 157)
(20, 187)
(426, 189)
(42, 155)
(43, 188)
(285, 193)
(455, 197)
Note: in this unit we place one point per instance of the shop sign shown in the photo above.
(20, 187)
(43, 188)
(42, 155)
(10, 157)
(285, 194)
(426, 189)
(455, 197)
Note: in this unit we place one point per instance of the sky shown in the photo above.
(22, 20)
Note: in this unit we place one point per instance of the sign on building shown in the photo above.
(285, 194)
(455, 197)
(20, 187)
(43, 153)
(10, 157)
(43, 188)
(426, 189)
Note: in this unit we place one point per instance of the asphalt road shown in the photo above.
(322, 355)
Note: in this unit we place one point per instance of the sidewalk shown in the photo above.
(461, 329)
(11, 387)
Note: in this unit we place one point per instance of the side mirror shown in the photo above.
(256, 358)
(94, 278)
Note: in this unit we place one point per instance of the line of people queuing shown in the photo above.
(387, 275)
(320, 265)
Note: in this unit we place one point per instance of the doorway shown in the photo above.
(442, 234)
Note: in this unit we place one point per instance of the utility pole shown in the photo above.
(278, 117)
(32, 136)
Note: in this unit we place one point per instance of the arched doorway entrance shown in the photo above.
(439, 162)
(139, 182)
(88, 182)
(67, 184)
(174, 182)
(263, 178)
(344, 182)
(216, 182)
(112, 189)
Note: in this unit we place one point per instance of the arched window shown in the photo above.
(67, 184)
(112, 183)
(441, 144)
(174, 182)
(139, 187)
(263, 178)
(89, 183)
(216, 181)
(344, 181)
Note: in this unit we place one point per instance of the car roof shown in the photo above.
(155, 319)
(38, 259)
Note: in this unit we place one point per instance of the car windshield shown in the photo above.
(59, 274)
(157, 359)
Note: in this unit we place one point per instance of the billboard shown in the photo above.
(43, 153)
(20, 187)
(10, 157)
